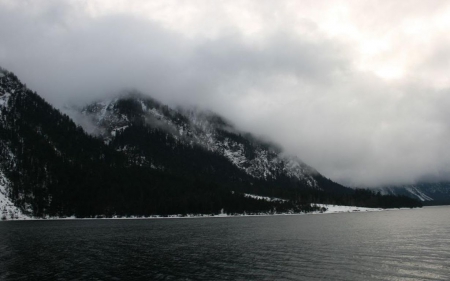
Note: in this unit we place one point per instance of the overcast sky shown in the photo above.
(360, 90)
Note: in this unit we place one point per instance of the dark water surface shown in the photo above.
(391, 245)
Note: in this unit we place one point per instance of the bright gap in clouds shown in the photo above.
(357, 89)
(389, 72)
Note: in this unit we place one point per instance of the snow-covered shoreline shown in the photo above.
(331, 209)
(9, 212)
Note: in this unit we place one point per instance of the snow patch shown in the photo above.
(4, 99)
(156, 113)
(144, 107)
(104, 110)
(331, 209)
(416, 192)
(270, 199)
(118, 130)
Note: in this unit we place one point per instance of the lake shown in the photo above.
(388, 245)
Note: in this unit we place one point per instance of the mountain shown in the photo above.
(145, 158)
(429, 193)
(152, 134)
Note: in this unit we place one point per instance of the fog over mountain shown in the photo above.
(359, 91)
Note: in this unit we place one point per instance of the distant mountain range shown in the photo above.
(145, 158)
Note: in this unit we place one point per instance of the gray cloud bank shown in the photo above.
(303, 92)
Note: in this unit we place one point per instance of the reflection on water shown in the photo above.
(391, 245)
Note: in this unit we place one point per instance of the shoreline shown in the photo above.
(331, 209)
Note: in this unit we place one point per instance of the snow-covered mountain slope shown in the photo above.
(194, 127)
(7, 208)
(429, 193)
(8, 211)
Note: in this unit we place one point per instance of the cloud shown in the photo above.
(362, 97)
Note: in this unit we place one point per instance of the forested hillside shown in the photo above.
(139, 164)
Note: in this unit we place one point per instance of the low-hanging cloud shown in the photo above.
(361, 114)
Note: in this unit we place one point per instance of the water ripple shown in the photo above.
(401, 245)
